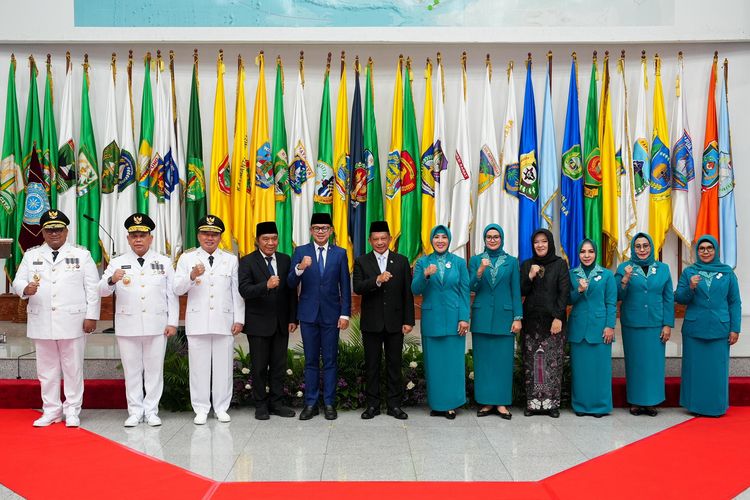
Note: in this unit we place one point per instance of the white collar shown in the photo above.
(383, 255)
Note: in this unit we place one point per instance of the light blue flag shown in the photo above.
(528, 187)
(548, 166)
(571, 184)
(727, 213)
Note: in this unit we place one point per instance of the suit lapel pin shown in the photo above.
(447, 265)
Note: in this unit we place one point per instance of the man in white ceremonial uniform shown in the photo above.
(215, 314)
(60, 280)
(147, 312)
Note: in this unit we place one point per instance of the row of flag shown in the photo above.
(606, 185)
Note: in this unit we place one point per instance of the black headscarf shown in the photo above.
(551, 255)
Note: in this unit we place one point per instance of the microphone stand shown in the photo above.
(111, 254)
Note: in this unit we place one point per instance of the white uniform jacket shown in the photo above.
(67, 292)
(214, 301)
(146, 302)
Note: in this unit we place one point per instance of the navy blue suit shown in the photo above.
(322, 301)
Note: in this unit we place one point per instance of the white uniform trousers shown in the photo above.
(211, 359)
(56, 357)
(143, 364)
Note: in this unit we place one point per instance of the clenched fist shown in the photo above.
(273, 282)
(430, 270)
(198, 270)
(117, 276)
(306, 262)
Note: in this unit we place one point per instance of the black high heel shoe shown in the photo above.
(450, 414)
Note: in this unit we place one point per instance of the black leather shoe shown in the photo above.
(450, 414)
(281, 411)
(483, 412)
(505, 416)
(261, 413)
(329, 412)
(435, 413)
(308, 412)
(554, 413)
(527, 412)
(397, 413)
(650, 411)
(579, 414)
(598, 415)
(370, 412)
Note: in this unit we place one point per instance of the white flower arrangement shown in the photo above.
(299, 394)
(247, 386)
(413, 364)
(471, 375)
(245, 371)
(289, 371)
(410, 386)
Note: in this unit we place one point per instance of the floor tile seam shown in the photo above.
(325, 453)
(497, 454)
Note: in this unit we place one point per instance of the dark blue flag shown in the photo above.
(571, 184)
(528, 186)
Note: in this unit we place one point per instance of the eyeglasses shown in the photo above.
(492, 237)
(706, 249)
(320, 229)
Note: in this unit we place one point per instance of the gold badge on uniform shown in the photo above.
(126, 280)
(37, 278)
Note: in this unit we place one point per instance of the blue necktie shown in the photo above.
(270, 267)
(321, 265)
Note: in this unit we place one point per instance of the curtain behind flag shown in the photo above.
(708, 212)
(358, 229)
(641, 152)
(126, 204)
(146, 141)
(461, 211)
(195, 184)
(727, 210)
(301, 171)
(660, 194)
(428, 171)
(684, 187)
(341, 171)
(282, 193)
(624, 167)
(490, 176)
(528, 187)
(66, 156)
(393, 170)
(509, 164)
(240, 167)
(159, 152)
(110, 169)
(571, 180)
(549, 176)
(174, 174)
(609, 172)
(323, 197)
(221, 182)
(31, 199)
(49, 140)
(372, 158)
(411, 185)
(592, 180)
(11, 175)
(87, 188)
(263, 195)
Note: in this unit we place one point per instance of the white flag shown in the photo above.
(156, 206)
(490, 178)
(126, 173)
(509, 163)
(174, 179)
(642, 154)
(66, 159)
(301, 169)
(685, 190)
(461, 212)
(624, 166)
(443, 179)
(110, 170)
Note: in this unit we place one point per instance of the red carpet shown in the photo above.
(700, 458)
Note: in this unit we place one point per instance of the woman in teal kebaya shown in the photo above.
(496, 316)
(591, 329)
(644, 285)
(443, 281)
(712, 324)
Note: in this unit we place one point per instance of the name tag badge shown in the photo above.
(718, 276)
(597, 278)
(126, 266)
(37, 263)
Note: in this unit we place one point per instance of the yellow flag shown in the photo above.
(240, 168)
(393, 170)
(610, 226)
(264, 195)
(427, 163)
(660, 182)
(341, 171)
(220, 187)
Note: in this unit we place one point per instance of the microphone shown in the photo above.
(111, 239)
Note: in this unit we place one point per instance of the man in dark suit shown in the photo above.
(325, 303)
(383, 279)
(270, 315)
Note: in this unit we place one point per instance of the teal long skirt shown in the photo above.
(644, 365)
(591, 367)
(493, 368)
(445, 371)
(705, 376)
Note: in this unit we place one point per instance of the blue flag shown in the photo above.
(727, 211)
(358, 187)
(528, 186)
(571, 184)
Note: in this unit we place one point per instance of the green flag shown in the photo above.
(281, 166)
(592, 180)
(372, 158)
(323, 197)
(195, 194)
(411, 182)
(88, 194)
(49, 141)
(146, 142)
(11, 177)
